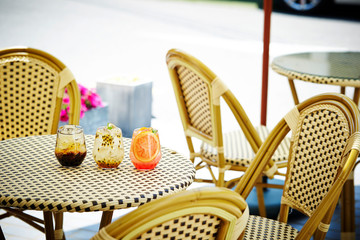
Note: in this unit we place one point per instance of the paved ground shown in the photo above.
(98, 39)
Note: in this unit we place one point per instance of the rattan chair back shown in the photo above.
(32, 84)
(325, 144)
(198, 92)
(201, 213)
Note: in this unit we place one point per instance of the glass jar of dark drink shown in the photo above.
(70, 149)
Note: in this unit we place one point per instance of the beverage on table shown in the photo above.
(145, 152)
(70, 149)
(108, 149)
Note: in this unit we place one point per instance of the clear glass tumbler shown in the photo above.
(145, 152)
(108, 149)
(70, 149)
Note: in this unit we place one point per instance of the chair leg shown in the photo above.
(261, 201)
(260, 196)
(348, 209)
(220, 182)
(212, 174)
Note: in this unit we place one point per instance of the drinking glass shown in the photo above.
(145, 152)
(70, 149)
(108, 149)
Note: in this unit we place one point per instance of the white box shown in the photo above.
(129, 101)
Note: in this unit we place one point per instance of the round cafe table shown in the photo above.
(332, 68)
(32, 178)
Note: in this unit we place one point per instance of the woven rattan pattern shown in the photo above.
(197, 100)
(263, 228)
(317, 79)
(342, 64)
(196, 226)
(32, 178)
(238, 151)
(313, 169)
(27, 97)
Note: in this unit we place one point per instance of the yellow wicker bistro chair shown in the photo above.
(325, 144)
(201, 213)
(198, 91)
(32, 85)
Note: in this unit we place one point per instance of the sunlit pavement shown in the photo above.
(98, 39)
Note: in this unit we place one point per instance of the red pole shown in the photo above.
(265, 70)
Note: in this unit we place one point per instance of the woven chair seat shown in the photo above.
(264, 228)
(238, 151)
(197, 226)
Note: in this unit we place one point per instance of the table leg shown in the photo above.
(49, 227)
(59, 233)
(106, 218)
(356, 96)
(293, 91)
(342, 90)
(348, 209)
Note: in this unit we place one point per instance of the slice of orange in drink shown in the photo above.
(146, 146)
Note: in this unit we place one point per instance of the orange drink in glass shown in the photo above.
(145, 152)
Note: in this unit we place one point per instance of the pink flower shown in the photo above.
(83, 105)
(66, 100)
(89, 100)
(64, 116)
(83, 90)
(95, 100)
(82, 113)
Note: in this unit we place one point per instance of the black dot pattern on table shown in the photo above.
(32, 178)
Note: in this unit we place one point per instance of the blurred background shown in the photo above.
(102, 39)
